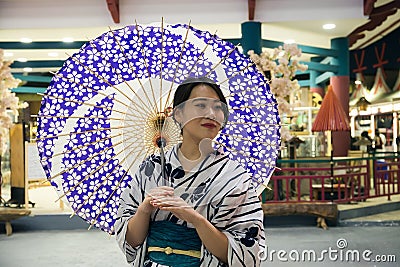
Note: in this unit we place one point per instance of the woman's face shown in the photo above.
(202, 115)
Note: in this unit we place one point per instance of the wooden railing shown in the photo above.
(353, 179)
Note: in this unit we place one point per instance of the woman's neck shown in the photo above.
(196, 151)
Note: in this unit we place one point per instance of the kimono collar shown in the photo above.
(173, 158)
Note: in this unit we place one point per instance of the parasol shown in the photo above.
(331, 117)
(107, 107)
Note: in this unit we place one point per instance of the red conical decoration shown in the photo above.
(331, 116)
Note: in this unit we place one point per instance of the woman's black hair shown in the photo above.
(184, 90)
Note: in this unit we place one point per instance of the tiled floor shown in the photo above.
(380, 217)
(94, 248)
(369, 202)
(373, 202)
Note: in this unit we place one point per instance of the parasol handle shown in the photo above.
(161, 142)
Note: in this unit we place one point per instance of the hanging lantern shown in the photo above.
(362, 104)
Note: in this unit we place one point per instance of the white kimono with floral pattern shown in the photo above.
(222, 192)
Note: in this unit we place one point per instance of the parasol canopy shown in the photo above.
(331, 115)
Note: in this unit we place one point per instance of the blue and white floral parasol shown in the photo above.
(101, 113)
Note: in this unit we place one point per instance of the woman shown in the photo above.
(209, 213)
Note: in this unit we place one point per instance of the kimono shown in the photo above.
(218, 188)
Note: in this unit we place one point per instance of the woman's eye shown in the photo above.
(200, 105)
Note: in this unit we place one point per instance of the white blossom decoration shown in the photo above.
(8, 100)
(282, 64)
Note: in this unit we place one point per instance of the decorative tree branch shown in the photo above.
(280, 67)
(8, 100)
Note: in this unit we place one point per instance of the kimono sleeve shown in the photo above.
(240, 218)
(130, 199)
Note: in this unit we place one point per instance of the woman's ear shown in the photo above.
(177, 115)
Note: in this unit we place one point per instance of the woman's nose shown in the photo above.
(210, 113)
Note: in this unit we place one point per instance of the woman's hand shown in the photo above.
(138, 225)
(176, 206)
(163, 191)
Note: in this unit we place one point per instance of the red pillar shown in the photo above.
(341, 83)
(341, 140)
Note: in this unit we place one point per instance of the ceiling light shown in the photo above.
(52, 54)
(329, 26)
(8, 54)
(289, 41)
(26, 40)
(22, 59)
(27, 69)
(68, 40)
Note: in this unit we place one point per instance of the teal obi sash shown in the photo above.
(173, 244)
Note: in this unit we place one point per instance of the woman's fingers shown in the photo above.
(170, 202)
(178, 207)
(161, 191)
(166, 188)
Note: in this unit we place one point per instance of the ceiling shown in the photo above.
(300, 20)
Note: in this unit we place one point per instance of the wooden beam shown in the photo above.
(252, 8)
(379, 34)
(321, 209)
(42, 45)
(357, 34)
(8, 214)
(387, 9)
(377, 15)
(113, 7)
(368, 6)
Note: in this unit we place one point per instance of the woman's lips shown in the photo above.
(209, 125)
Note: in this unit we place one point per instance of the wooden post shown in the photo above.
(17, 162)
